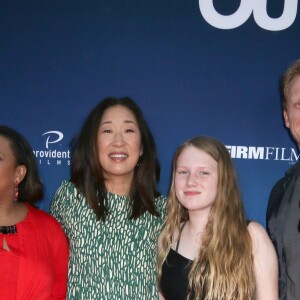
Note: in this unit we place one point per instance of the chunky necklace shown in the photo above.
(8, 229)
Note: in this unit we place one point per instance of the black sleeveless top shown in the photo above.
(175, 271)
(174, 277)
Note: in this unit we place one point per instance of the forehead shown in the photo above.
(5, 144)
(294, 88)
(193, 156)
(118, 113)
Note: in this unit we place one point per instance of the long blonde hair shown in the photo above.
(223, 268)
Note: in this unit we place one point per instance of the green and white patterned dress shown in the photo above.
(115, 259)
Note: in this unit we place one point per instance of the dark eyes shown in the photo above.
(182, 172)
(204, 173)
(200, 173)
(128, 130)
(297, 104)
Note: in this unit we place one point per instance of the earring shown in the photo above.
(16, 190)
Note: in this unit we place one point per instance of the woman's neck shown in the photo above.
(12, 213)
(197, 222)
(118, 187)
(191, 235)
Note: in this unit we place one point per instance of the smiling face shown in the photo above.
(119, 144)
(292, 112)
(196, 179)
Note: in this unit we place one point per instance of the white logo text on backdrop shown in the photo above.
(265, 153)
(59, 136)
(55, 155)
(242, 14)
(58, 156)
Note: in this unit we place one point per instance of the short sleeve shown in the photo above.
(161, 206)
(60, 201)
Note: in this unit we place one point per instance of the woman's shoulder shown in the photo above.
(42, 217)
(160, 198)
(45, 227)
(259, 236)
(255, 228)
(67, 185)
(63, 199)
(265, 262)
(161, 203)
(67, 189)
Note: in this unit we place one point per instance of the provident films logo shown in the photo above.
(52, 153)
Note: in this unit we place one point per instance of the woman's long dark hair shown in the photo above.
(87, 173)
(30, 188)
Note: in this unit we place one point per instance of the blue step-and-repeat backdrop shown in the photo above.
(195, 67)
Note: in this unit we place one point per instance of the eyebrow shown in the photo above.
(198, 168)
(125, 121)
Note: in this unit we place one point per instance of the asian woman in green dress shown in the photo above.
(110, 208)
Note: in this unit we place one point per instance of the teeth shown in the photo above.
(118, 155)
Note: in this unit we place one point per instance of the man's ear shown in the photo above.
(286, 119)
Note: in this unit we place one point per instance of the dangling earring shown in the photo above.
(16, 190)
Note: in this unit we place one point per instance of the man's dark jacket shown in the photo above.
(279, 201)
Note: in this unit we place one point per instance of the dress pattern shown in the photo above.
(115, 259)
